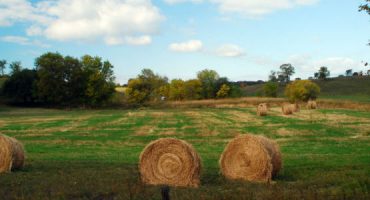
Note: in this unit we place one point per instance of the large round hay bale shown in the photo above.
(287, 109)
(262, 109)
(18, 154)
(6, 154)
(170, 161)
(251, 158)
(11, 154)
(311, 104)
(294, 107)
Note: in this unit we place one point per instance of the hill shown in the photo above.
(346, 88)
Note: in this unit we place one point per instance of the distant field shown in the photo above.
(93, 154)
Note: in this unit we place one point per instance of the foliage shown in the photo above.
(273, 76)
(208, 78)
(323, 73)
(224, 91)
(2, 66)
(20, 87)
(349, 72)
(146, 87)
(365, 7)
(15, 67)
(286, 70)
(270, 89)
(177, 90)
(193, 89)
(302, 90)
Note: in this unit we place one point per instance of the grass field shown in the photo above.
(93, 154)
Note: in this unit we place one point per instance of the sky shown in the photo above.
(240, 39)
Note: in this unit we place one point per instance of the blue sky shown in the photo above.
(240, 39)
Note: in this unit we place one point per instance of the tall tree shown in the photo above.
(208, 78)
(286, 70)
(2, 66)
(349, 72)
(20, 87)
(365, 7)
(323, 73)
(273, 76)
(15, 67)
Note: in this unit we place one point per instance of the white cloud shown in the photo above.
(113, 21)
(22, 41)
(230, 50)
(252, 8)
(188, 46)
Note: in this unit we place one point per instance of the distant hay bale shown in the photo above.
(311, 105)
(11, 154)
(262, 109)
(287, 109)
(170, 161)
(251, 158)
(294, 107)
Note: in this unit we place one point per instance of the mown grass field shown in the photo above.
(93, 154)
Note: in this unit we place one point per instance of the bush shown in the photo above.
(302, 90)
(20, 87)
(270, 89)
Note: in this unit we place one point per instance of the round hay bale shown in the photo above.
(311, 105)
(18, 154)
(262, 109)
(287, 109)
(274, 150)
(6, 154)
(170, 161)
(294, 107)
(250, 158)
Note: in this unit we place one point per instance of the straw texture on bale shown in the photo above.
(295, 107)
(287, 109)
(11, 154)
(170, 161)
(262, 109)
(251, 158)
(311, 104)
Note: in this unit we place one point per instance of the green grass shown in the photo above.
(93, 154)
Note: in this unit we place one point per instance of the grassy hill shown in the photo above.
(354, 89)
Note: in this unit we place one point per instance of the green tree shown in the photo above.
(286, 70)
(224, 91)
(208, 78)
(273, 76)
(20, 87)
(15, 67)
(302, 90)
(146, 87)
(177, 90)
(2, 66)
(365, 7)
(270, 89)
(100, 80)
(193, 89)
(323, 73)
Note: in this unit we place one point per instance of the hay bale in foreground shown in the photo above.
(287, 109)
(251, 158)
(294, 107)
(262, 109)
(170, 161)
(311, 105)
(11, 154)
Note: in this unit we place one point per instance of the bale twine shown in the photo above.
(262, 109)
(170, 161)
(311, 104)
(250, 158)
(294, 107)
(287, 109)
(11, 154)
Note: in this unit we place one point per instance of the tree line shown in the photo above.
(60, 80)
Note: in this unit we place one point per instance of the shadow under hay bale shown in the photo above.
(11, 154)
(170, 161)
(262, 109)
(251, 158)
(286, 109)
(311, 105)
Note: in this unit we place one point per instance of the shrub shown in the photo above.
(302, 90)
(270, 89)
